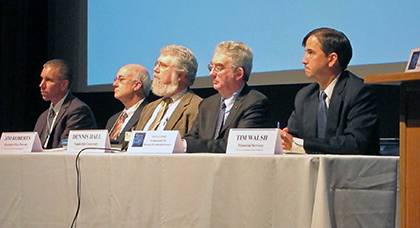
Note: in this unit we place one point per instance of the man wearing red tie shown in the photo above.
(131, 87)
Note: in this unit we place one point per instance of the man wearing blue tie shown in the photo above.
(337, 114)
(235, 105)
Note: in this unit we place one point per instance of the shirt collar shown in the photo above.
(133, 108)
(330, 88)
(56, 108)
(231, 100)
(235, 94)
(177, 96)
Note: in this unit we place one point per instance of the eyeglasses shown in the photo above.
(162, 66)
(122, 79)
(218, 67)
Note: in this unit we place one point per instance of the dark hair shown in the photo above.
(63, 67)
(333, 41)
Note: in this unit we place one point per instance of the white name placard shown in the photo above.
(81, 139)
(155, 142)
(254, 141)
(20, 142)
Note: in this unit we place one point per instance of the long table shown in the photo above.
(198, 190)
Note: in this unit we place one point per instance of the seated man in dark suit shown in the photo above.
(66, 112)
(234, 106)
(131, 87)
(337, 114)
(174, 73)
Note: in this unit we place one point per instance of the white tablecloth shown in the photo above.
(198, 190)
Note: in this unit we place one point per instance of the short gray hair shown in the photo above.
(185, 60)
(63, 68)
(240, 54)
(140, 73)
(144, 77)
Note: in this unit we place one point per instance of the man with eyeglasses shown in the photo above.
(234, 106)
(174, 73)
(131, 87)
(66, 112)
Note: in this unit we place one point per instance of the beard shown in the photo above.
(163, 90)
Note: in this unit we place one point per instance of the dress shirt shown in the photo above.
(130, 112)
(229, 102)
(329, 90)
(176, 99)
(297, 143)
(56, 108)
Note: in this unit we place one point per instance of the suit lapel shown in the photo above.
(309, 113)
(112, 121)
(63, 110)
(214, 108)
(146, 114)
(234, 112)
(179, 111)
(43, 124)
(135, 118)
(336, 103)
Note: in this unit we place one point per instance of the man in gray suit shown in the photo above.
(336, 114)
(131, 87)
(234, 106)
(66, 112)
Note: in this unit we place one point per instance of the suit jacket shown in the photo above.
(250, 110)
(74, 115)
(130, 124)
(352, 120)
(181, 119)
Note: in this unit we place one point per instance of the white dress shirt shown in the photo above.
(176, 99)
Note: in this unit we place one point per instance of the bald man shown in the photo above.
(131, 87)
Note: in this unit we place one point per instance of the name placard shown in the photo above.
(155, 142)
(254, 141)
(20, 142)
(81, 139)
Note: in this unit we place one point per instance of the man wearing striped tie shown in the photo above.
(131, 87)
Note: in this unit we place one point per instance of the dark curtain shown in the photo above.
(23, 45)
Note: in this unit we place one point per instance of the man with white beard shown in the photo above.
(174, 73)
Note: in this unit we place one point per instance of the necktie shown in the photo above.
(116, 130)
(220, 119)
(322, 115)
(47, 130)
(165, 104)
